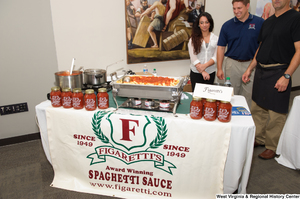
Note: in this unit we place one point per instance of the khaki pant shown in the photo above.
(235, 71)
(269, 125)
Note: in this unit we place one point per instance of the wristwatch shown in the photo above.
(287, 76)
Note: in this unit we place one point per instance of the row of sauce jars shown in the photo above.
(210, 109)
(77, 100)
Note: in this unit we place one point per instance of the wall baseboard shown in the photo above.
(295, 88)
(19, 139)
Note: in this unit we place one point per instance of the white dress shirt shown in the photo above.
(205, 54)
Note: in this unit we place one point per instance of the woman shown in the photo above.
(203, 50)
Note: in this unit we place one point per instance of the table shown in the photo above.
(288, 146)
(238, 157)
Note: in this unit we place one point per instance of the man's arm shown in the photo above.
(252, 65)
(282, 83)
(138, 12)
(149, 10)
(220, 58)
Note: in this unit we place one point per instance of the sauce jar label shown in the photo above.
(56, 100)
(209, 113)
(90, 103)
(195, 111)
(76, 102)
(102, 102)
(67, 101)
(223, 114)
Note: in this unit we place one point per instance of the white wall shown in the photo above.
(27, 61)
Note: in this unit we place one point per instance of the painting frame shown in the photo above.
(168, 43)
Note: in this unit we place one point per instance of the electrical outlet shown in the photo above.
(13, 108)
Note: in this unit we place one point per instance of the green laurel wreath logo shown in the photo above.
(96, 122)
(161, 132)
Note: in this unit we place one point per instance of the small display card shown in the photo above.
(209, 91)
(239, 110)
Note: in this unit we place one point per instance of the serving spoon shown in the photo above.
(72, 66)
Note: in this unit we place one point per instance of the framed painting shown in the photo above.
(154, 33)
(265, 9)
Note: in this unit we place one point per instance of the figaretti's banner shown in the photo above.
(136, 156)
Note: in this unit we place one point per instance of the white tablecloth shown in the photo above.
(239, 156)
(289, 143)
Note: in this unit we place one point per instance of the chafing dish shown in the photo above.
(171, 93)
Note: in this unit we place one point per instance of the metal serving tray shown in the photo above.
(171, 93)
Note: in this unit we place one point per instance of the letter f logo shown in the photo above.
(126, 129)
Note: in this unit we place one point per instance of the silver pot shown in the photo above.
(94, 76)
(63, 79)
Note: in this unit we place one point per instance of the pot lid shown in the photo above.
(94, 71)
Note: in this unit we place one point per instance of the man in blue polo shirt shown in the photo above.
(240, 35)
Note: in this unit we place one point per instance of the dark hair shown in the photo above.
(245, 2)
(164, 1)
(197, 37)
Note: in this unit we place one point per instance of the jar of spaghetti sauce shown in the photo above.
(55, 96)
(210, 110)
(77, 98)
(90, 100)
(66, 98)
(196, 108)
(225, 110)
(103, 99)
